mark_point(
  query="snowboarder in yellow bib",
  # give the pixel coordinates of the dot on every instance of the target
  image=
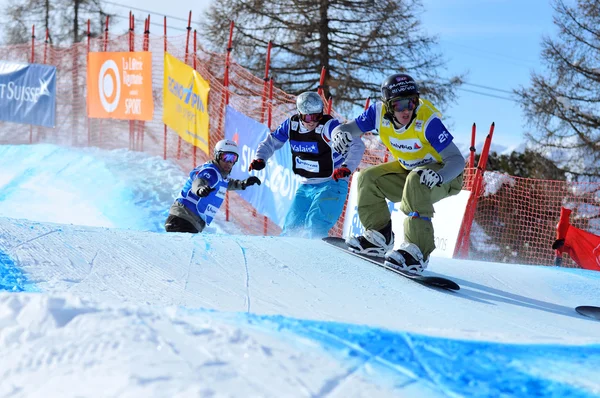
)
(428, 168)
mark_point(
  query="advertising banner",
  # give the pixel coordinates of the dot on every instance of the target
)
(185, 102)
(279, 184)
(119, 85)
(448, 217)
(28, 93)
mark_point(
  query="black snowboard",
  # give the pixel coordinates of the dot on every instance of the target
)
(431, 281)
(589, 310)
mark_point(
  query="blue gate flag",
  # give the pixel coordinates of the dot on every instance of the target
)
(28, 93)
(279, 183)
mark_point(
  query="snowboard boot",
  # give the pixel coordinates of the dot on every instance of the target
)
(407, 258)
(372, 242)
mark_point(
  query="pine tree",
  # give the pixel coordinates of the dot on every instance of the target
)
(358, 42)
(65, 20)
(563, 104)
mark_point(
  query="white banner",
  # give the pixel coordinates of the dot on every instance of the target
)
(449, 214)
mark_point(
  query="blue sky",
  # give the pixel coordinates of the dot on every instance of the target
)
(496, 42)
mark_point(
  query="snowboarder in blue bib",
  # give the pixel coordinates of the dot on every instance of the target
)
(323, 172)
(204, 191)
(428, 168)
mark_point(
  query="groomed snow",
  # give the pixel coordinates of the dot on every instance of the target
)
(100, 302)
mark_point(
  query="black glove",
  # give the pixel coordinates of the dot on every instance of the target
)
(341, 172)
(250, 181)
(204, 191)
(558, 244)
(257, 164)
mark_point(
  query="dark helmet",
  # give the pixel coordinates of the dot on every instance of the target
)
(399, 85)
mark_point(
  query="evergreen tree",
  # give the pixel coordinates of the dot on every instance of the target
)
(563, 104)
(527, 164)
(358, 42)
(65, 20)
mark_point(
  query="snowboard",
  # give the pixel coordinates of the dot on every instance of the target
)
(589, 311)
(430, 281)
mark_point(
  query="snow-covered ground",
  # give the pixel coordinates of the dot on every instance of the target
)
(98, 301)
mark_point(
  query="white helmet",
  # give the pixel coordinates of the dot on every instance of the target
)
(309, 102)
(225, 146)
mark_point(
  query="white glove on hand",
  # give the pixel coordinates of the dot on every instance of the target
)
(430, 178)
(340, 142)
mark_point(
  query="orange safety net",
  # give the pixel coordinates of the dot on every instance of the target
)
(514, 220)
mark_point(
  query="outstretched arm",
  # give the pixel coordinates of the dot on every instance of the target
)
(343, 136)
(356, 148)
(274, 141)
(454, 162)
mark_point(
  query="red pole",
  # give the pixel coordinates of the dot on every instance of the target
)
(145, 46)
(195, 148)
(32, 44)
(472, 148)
(329, 104)
(130, 29)
(46, 45)
(461, 250)
(225, 102)
(164, 125)
(264, 98)
(187, 44)
(227, 63)
(367, 102)
(131, 47)
(32, 61)
(225, 96)
(270, 104)
(106, 35)
(269, 119)
(89, 34)
(266, 84)
(321, 81)
(104, 48)
(187, 39)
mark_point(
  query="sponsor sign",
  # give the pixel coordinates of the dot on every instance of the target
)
(279, 184)
(119, 85)
(185, 99)
(28, 93)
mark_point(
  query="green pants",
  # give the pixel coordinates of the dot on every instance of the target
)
(393, 182)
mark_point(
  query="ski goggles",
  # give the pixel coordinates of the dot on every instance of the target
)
(228, 157)
(403, 104)
(311, 117)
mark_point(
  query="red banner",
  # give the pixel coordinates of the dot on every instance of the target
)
(583, 247)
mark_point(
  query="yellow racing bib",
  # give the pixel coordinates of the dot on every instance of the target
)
(409, 145)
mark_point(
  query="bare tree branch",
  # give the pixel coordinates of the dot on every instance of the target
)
(359, 43)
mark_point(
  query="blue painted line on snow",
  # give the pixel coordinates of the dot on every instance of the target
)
(466, 368)
(11, 277)
(450, 367)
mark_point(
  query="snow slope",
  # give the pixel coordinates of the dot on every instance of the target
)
(103, 303)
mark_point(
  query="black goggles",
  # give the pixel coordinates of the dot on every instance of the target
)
(402, 104)
(311, 117)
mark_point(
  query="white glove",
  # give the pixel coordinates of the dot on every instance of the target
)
(430, 178)
(340, 142)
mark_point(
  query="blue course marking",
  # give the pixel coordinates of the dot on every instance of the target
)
(462, 367)
(11, 277)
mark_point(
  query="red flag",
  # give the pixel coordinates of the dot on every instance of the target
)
(583, 247)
